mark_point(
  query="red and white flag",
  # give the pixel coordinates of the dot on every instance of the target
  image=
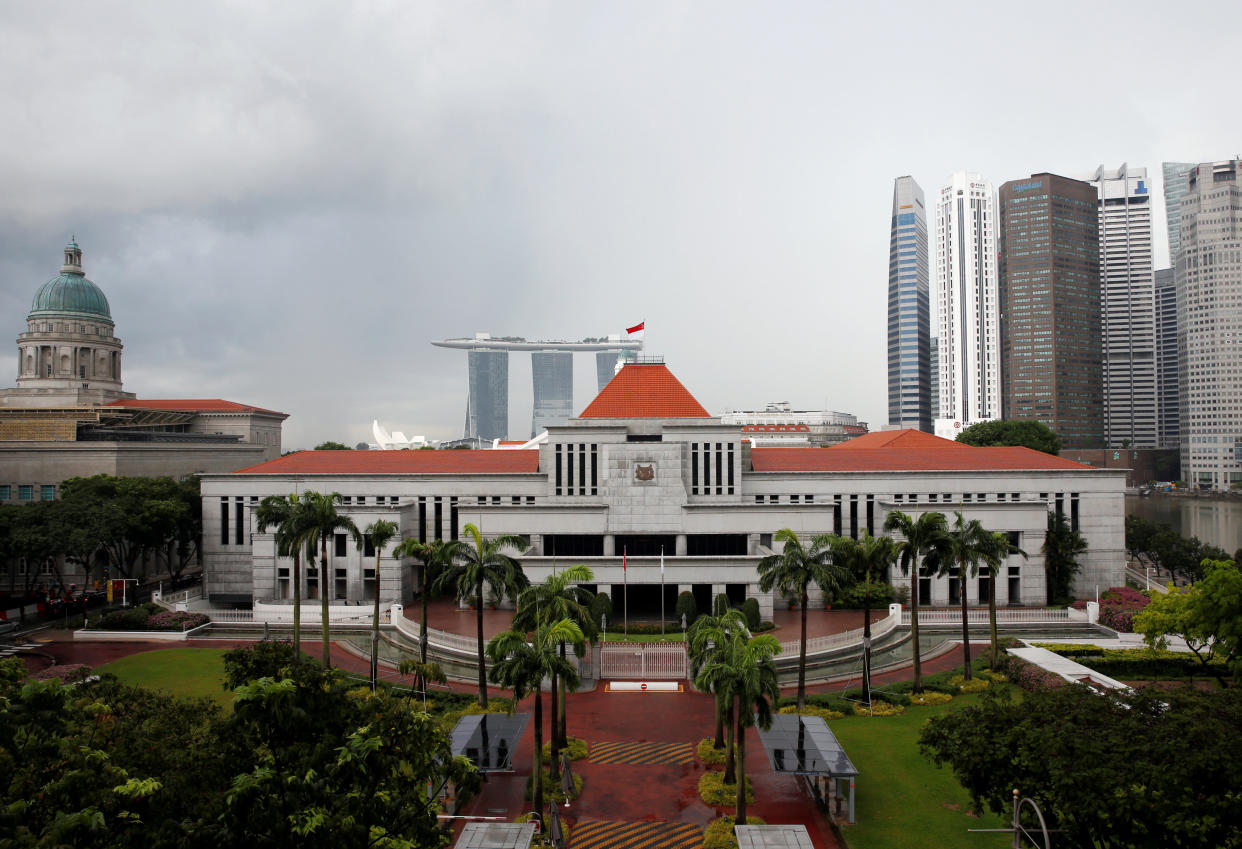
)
(637, 330)
(623, 559)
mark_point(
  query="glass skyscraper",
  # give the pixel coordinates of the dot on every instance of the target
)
(487, 408)
(909, 314)
(553, 375)
(1175, 174)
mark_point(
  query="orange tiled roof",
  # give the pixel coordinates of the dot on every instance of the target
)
(906, 451)
(194, 405)
(447, 462)
(644, 391)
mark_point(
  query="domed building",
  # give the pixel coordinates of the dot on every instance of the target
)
(69, 354)
(69, 415)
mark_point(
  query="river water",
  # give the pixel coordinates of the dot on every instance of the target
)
(1214, 521)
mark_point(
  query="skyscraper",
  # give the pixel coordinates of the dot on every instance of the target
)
(1174, 190)
(934, 359)
(487, 408)
(1050, 306)
(1166, 360)
(909, 318)
(1127, 307)
(553, 375)
(967, 322)
(1209, 326)
(605, 367)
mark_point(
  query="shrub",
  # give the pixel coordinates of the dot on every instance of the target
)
(879, 708)
(763, 626)
(720, 604)
(715, 792)
(855, 596)
(1030, 677)
(1144, 663)
(265, 659)
(176, 620)
(974, 685)
(894, 698)
(930, 697)
(820, 700)
(750, 608)
(576, 746)
(811, 710)
(685, 606)
(719, 833)
(129, 619)
(709, 754)
(552, 789)
(601, 605)
(670, 628)
(1118, 606)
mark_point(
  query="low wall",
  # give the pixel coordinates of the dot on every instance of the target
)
(265, 611)
(96, 634)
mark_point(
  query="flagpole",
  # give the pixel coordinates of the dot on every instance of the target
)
(625, 593)
(661, 592)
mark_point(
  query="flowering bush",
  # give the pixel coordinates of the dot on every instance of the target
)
(975, 685)
(1118, 606)
(811, 710)
(930, 698)
(176, 620)
(879, 709)
(1031, 678)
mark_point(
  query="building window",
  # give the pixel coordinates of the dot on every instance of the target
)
(368, 546)
(224, 521)
(25, 492)
(47, 492)
(239, 527)
(339, 541)
(6, 492)
(809, 499)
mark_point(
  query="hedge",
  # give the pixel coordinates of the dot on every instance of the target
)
(1139, 663)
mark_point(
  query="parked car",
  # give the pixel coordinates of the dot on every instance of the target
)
(7, 626)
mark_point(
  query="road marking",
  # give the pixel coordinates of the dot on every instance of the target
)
(635, 835)
(642, 753)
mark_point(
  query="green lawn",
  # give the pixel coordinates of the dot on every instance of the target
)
(182, 672)
(902, 799)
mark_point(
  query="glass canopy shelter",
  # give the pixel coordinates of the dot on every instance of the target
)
(804, 745)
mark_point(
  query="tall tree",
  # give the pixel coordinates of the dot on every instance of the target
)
(866, 558)
(995, 554)
(380, 533)
(288, 515)
(1061, 549)
(432, 556)
(967, 542)
(708, 640)
(1024, 432)
(793, 570)
(476, 561)
(758, 691)
(1206, 614)
(325, 522)
(561, 596)
(920, 549)
(522, 662)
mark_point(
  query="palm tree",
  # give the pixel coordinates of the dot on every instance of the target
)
(475, 562)
(287, 514)
(921, 547)
(559, 597)
(380, 532)
(431, 557)
(707, 637)
(966, 543)
(1061, 549)
(995, 555)
(864, 558)
(325, 521)
(424, 673)
(741, 669)
(795, 569)
(522, 665)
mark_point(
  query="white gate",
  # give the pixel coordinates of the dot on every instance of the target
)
(642, 661)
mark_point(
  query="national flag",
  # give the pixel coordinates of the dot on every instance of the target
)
(638, 328)
(623, 559)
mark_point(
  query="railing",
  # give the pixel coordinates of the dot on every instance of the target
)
(845, 638)
(181, 597)
(441, 639)
(231, 615)
(1004, 616)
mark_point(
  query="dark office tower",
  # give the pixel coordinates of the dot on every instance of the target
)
(487, 409)
(1166, 359)
(1049, 257)
(606, 367)
(909, 315)
(553, 375)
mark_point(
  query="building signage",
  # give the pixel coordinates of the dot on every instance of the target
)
(1027, 186)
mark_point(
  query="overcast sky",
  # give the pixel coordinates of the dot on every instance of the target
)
(285, 203)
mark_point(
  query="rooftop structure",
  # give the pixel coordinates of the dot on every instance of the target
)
(779, 422)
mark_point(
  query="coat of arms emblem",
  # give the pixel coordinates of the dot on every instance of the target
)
(644, 473)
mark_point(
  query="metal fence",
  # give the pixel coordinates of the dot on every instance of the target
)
(441, 639)
(643, 661)
(1004, 616)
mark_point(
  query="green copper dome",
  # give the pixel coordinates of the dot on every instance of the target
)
(71, 293)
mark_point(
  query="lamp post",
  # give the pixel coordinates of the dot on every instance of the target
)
(603, 627)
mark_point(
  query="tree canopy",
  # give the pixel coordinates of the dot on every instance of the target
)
(1206, 614)
(1143, 768)
(331, 445)
(1157, 544)
(1025, 432)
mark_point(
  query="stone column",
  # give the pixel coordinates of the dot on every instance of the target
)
(681, 545)
(610, 545)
